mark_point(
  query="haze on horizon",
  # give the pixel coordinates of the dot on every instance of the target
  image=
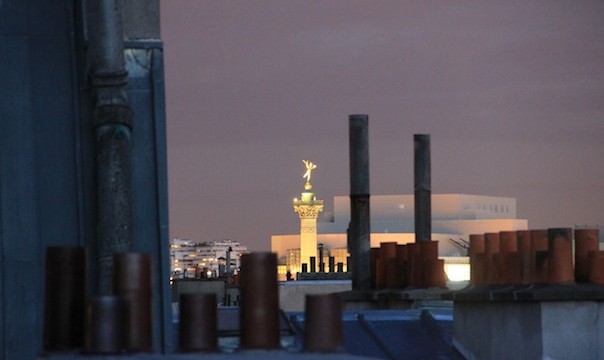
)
(512, 94)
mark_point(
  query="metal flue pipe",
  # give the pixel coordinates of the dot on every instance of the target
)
(323, 330)
(422, 181)
(259, 309)
(133, 281)
(107, 325)
(359, 227)
(112, 123)
(198, 329)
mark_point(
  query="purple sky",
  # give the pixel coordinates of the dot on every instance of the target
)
(511, 92)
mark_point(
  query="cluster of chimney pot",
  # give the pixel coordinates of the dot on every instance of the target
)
(536, 257)
(122, 322)
(108, 323)
(416, 265)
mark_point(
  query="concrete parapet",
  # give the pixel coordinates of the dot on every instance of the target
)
(292, 294)
(529, 322)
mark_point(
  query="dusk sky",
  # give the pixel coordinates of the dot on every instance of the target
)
(511, 93)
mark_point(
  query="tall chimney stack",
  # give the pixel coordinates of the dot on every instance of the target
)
(358, 230)
(423, 212)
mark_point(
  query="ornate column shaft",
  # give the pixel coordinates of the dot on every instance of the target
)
(308, 209)
(308, 212)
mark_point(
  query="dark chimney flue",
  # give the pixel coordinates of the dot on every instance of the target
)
(423, 190)
(359, 228)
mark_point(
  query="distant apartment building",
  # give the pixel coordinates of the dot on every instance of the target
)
(183, 258)
(190, 259)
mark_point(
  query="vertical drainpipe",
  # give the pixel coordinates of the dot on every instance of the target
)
(423, 212)
(358, 231)
(112, 124)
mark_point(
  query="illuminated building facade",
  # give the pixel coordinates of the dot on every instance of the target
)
(191, 259)
(183, 257)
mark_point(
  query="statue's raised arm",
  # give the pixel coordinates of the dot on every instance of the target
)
(309, 168)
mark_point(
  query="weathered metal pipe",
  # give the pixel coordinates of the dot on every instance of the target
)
(112, 123)
(198, 331)
(133, 282)
(359, 228)
(106, 36)
(423, 188)
(65, 302)
(108, 325)
(259, 310)
(323, 323)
